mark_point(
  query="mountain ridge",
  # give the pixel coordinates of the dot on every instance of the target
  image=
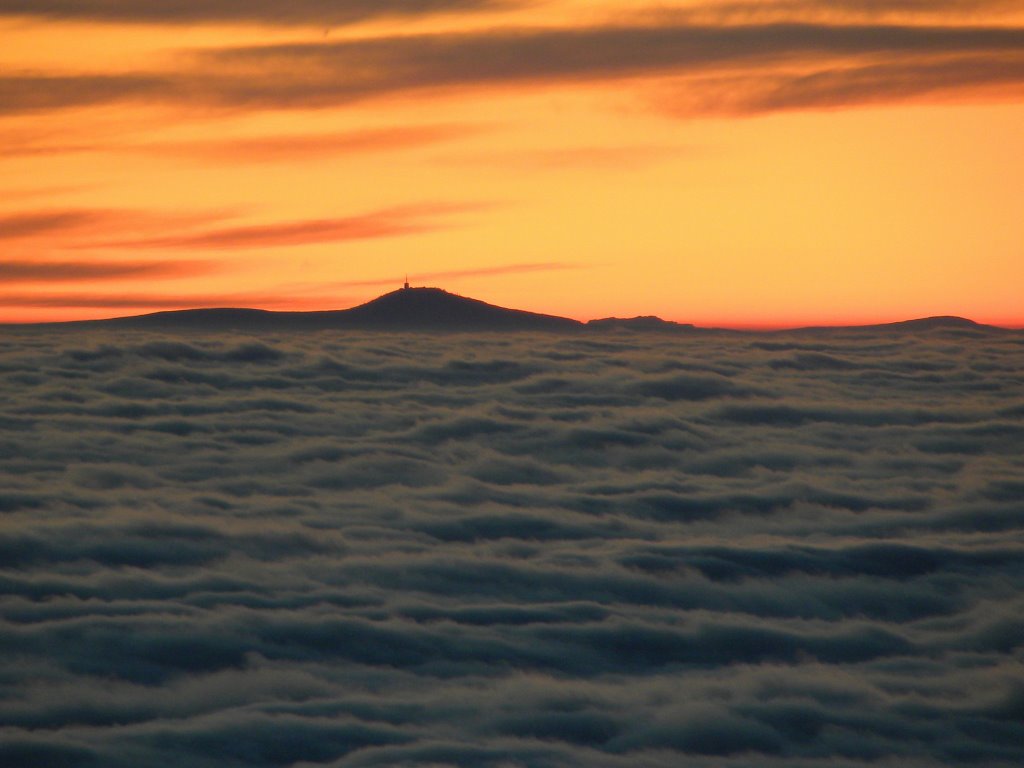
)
(933, 323)
(402, 309)
(435, 309)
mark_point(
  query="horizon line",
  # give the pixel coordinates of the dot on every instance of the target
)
(766, 326)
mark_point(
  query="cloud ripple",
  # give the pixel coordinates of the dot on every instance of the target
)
(348, 549)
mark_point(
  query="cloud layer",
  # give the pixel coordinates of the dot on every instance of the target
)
(392, 222)
(609, 549)
(319, 12)
(744, 67)
(64, 271)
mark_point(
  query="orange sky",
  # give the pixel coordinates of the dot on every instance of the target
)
(732, 163)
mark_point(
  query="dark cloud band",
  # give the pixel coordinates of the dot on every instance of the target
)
(314, 12)
(63, 271)
(834, 64)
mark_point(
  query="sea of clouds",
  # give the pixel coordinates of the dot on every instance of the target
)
(596, 549)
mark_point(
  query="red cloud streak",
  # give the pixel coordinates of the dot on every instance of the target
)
(390, 222)
(68, 271)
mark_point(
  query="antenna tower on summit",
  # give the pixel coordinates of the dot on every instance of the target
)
(406, 284)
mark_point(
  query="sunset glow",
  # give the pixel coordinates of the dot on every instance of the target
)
(722, 163)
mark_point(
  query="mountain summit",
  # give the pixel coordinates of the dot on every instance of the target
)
(436, 308)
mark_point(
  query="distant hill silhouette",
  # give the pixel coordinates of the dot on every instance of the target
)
(434, 309)
(404, 309)
(930, 323)
(937, 323)
(645, 323)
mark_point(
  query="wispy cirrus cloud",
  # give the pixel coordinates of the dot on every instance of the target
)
(326, 13)
(388, 65)
(161, 301)
(304, 76)
(318, 12)
(969, 77)
(746, 11)
(288, 148)
(280, 148)
(19, 225)
(388, 222)
(66, 271)
(85, 228)
(63, 223)
(40, 92)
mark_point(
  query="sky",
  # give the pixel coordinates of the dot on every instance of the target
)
(722, 162)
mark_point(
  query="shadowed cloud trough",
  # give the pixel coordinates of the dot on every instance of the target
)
(609, 549)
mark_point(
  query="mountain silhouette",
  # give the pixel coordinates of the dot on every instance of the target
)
(645, 323)
(933, 323)
(937, 323)
(404, 309)
(434, 309)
